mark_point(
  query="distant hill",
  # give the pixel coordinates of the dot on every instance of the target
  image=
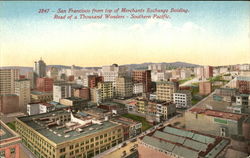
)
(24, 69)
(168, 65)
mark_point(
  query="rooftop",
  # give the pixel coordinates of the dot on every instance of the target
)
(184, 143)
(47, 125)
(221, 114)
(40, 93)
(7, 135)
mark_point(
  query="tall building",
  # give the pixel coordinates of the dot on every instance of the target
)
(62, 90)
(143, 76)
(9, 103)
(40, 68)
(157, 67)
(208, 71)
(124, 87)
(22, 89)
(106, 91)
(165, 90)
(44, 84)
(93, 80)
(53, 73)
(205, 88)
(61, 134)
(111, 72)
(7, 80)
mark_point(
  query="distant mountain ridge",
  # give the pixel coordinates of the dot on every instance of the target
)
(25, 69)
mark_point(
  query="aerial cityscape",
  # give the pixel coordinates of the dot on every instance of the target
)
(171, 82)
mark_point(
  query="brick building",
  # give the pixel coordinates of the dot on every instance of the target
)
(143, 76)
(44, 84)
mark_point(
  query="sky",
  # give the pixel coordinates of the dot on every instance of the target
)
(211, 33)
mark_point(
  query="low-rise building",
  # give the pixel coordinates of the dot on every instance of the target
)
(82, 93)
(9, 142)
(131, 128)
(170, 142)
(166, 109)
(214, 122)
(60, 134)
(225, 94)
(37, 97)
(182, 98)
(39, 108)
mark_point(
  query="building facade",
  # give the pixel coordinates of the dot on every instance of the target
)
(124, 87)
(165, 90)
(142, 76)
(40, 68)
(22, 90)
(205, 88)
(182, 98)
(62, 90)
(44, 84)
(7, 80)
(106, 91)
(9, 103)
(66, 135)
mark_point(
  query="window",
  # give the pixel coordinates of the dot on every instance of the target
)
(62, 150)
(77, 145)
(96, 138)
(12, 151)
(92, 139)
(71, 153)
(63, 156)
(71, 147)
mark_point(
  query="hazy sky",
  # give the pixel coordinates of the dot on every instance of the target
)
(212, 33)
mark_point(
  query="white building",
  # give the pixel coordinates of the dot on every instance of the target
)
(34, 109)
(157, 67)
(185, 73)
(62, 90)
(111, 72)
(160, 76)
(138, 88)
(165, 109)
(182, 99)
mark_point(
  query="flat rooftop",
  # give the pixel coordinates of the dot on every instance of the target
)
(184, 143)
(5, 133)
(221, 114)
(57, 133)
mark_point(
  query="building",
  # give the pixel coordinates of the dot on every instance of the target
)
(53, 73)
(131, 128)
(204, 72)
(9, 142)
(93, 80)
(185, 73)
(39, 108)
(7, 80)
(160, 76)
(208, 71)
(225, 94)
(166, 109)
(138, 88)
(214, 122)
(95, 95)
(22, 90)
(157, 67)
(40, 68)
(170, 142)
(32, 77)
(176, 73)
(9, 103)
(124, 87)
(60, 134)
(37, 96)
(106, 91)
(78, 103)
(83, 93)
(62, 90)
(165, 90)
(182, 98)
(205, 88)
(44, 84)
(142, 76)
(243, 84)
(111, 72)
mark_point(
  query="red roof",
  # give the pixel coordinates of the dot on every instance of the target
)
(215, 113)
